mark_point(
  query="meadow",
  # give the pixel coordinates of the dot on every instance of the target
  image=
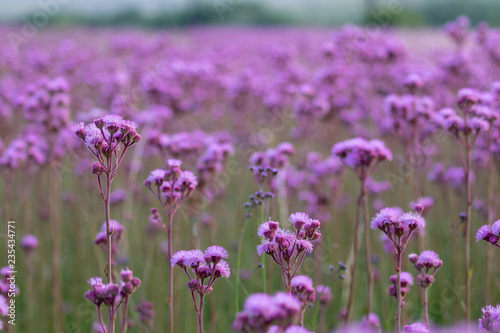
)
(119, 148)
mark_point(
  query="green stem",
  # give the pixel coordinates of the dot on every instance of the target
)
(264, 278)
(238, 266)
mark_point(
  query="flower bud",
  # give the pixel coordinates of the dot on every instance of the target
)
(136, 282)
(203, 272)
(419, 208)
(97, 168)
(128, 288)
(113, 289)
(315, 224)
(91, 296)
(99, 123)
(193, 284)
(413, 258)
(126, 275)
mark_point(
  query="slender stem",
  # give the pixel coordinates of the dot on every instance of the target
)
(355, 262)
(264, 278)
(467, 230)
(55, 230)
(125, 309)
(398, 291)
(367, 249)
(111, 323)
(238, 266)
(200, 314)
(100, 319)
(109, 234)
(170, 274)
(426, 309)
(491, 217)
(301, 321)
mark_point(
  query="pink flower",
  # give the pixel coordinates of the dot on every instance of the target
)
(222, 269)
(416, 328)
(214, 254)
(179, 258)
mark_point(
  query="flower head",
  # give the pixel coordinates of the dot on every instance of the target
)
(179, 258)
(413, 220)
(214, 254)
(416, 328)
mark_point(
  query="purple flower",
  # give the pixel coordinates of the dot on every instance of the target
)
(490, 321)
(214, 254)
(302, 282)
(371, 323)
(406, 279)
(298, 220)
(29, 243)
(156, 177)
(304, 245)
(261, 306)
(179, 258)
(495, 228)
(188, 180)
(194, 258)
(413, 220)
(222, 269)
(289, 304)
(268, 229)
(268, 247)
(429, 259)
(416, 328)
(386, 217)
(325, 293)
(3, 306)
(126, 275)
(483, 233)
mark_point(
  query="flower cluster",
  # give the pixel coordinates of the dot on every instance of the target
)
(147, 314)
(111, 294)
(47, 103)
(108, 138)
(7, 289)
(427, 264)
(362, 155)
(260, 311)
(255, 200)
(288, 249)
(490, 322)
(265, 165)
(398, 226)
(406, 282)
(206, 267)
(476, 118)
(171, 186)
(490, 234)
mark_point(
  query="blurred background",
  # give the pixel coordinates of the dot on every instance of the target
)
(160, 13)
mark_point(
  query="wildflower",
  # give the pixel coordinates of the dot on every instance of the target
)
(29, 243)
(261, 311)
(490, 322)
(208, 267)
(416, 328)
(325, 293)
(286, 247)
(214, 254)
